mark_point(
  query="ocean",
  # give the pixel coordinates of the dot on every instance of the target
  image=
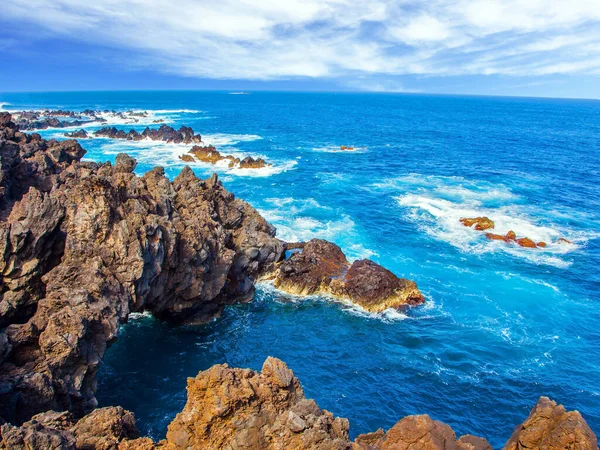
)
(502, 324)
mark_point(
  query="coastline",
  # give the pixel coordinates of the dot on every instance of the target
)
(125, 164)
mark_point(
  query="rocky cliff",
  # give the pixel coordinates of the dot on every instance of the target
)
(84, 244)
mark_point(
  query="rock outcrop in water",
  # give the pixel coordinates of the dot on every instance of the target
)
(84, 244)
(481, 223)
(165, 133)
(322, 267)
(211, 155)
(79, 134)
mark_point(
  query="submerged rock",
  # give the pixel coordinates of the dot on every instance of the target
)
(322, 267)
(481, 223)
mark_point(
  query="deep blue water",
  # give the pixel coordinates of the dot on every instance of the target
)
(502, 325)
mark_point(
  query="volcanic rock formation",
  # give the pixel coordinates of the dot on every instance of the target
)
(322, 267)
(210, 154)
(165, 133)
(84, 244)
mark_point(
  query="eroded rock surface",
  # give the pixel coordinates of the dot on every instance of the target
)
(481, 223)
(419, 433)
(244, 409)
(550, 427)
(84, 244)
(322, 267)
(165, 133)
(210, 154)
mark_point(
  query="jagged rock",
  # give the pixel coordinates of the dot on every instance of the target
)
(481, 223)
(79, 134)
(211, 155)
(550, 427)
(243, 409)
(250, 163)
(563, 241)
(187, 158)
(419, 433)
(322, 267)
(104, 428)
(84, 244)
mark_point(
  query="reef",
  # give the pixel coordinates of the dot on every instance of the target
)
(165, 133)
(84, 244)
(322, 268)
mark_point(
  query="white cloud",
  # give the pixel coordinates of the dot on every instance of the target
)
(274, 39)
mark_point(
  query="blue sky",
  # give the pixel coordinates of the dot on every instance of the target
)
(495, 47)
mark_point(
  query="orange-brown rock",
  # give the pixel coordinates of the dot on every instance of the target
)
(344, 147)
(103, 429)
(481, 223)
(542, 244)
(322, 267)
(243, 409)
(496, 237)
(419, 433)
(563, 241)
(251, 163)
(511, 235)
(550, 427)
(207, 154)
(187, 158)
(526, 242)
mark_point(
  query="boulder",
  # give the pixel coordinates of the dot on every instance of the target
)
(526, 242)
(481, 223)
(419, 433)
(322, 268)
(244, 409)
(550, 427)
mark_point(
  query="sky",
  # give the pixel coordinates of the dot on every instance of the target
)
(547, 48)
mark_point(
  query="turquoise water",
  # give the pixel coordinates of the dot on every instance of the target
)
(502, 325)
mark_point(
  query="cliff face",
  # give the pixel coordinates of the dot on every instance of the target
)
(84, 244)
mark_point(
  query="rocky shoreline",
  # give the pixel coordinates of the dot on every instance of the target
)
(85, 244)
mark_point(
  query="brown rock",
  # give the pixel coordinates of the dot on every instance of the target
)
(541, 244)
(104, 428)
(511, 236)
(550, 427)
(419, 433)
(322, 267)
(251, 163)
(563, 241)
(496, 237)
(526, 242)
(84, 244)
(187, 158)
(481, 223)
(240, 408)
